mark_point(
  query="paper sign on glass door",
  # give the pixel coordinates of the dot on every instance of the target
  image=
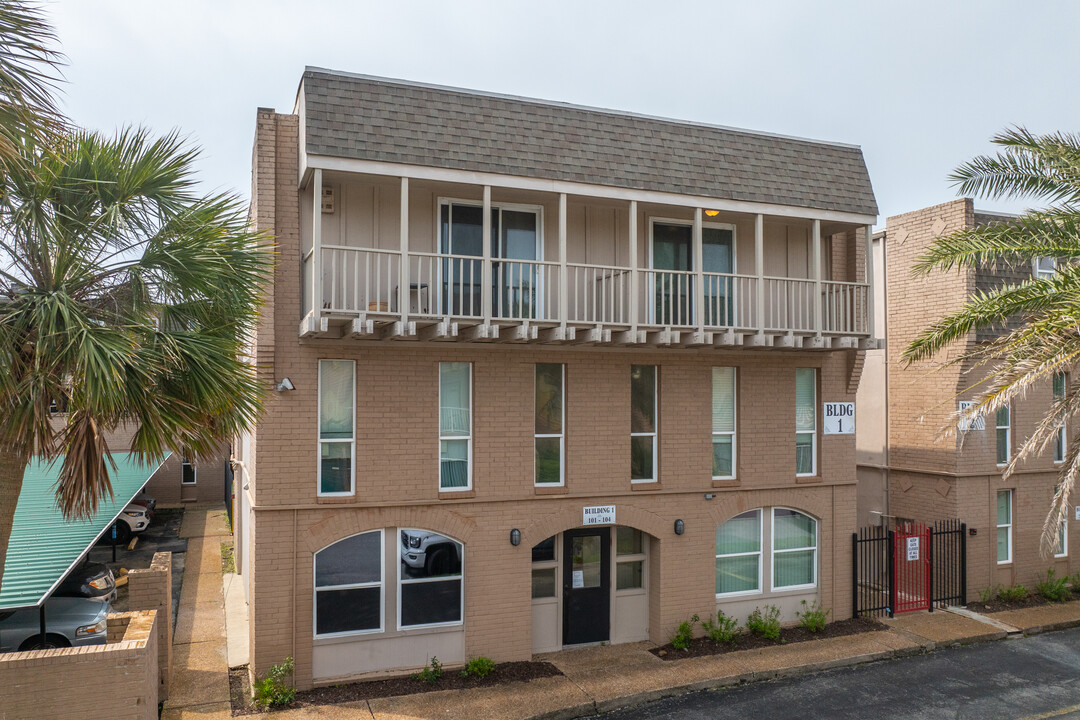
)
(578, 579)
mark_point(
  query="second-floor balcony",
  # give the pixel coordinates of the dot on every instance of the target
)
(682, 289)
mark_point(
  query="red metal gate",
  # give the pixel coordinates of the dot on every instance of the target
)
(913, 587)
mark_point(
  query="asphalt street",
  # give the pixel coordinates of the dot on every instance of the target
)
(1025, 678)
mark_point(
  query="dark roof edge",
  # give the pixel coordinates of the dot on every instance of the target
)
(572, 106)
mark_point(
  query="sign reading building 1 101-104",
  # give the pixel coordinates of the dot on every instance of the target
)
(839, 418)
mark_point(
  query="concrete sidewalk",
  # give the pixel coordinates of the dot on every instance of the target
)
(200, 674)
(603, 678)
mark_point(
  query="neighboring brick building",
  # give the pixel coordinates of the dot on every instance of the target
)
(929, 477)
(643, 344)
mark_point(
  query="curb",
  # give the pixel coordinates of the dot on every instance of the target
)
(1050, 627)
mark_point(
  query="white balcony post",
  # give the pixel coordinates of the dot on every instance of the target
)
(404, 294)
(759, 271)
(316, 245)
(632, 239)
(816, 269)
(699, 280)
(871, 281)
(485, 275)
(563, 310)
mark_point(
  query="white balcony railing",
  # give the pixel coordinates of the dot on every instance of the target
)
(369, 281)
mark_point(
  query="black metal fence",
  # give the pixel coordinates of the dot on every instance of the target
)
(873, 560)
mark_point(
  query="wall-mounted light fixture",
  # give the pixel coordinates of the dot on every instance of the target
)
(285, 384)
(709, 496)
(680, 527)
(515, 537)
(712, 213)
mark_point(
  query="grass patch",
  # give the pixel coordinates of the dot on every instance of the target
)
(228, 558)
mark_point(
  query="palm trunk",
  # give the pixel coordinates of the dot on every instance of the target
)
(12, 470)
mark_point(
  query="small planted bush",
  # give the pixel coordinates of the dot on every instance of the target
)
(1053, 588)
(273, 690)
(684, 634)
(812, 617)
(431, 673)
(766, 624)
(478, 668)
(725, 630)
(1014, 593)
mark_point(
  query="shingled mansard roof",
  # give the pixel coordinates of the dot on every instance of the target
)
(366, 118)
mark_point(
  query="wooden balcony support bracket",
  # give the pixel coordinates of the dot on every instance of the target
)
(695, 338)
(442, 331)
(592, 336)
(846, 343)
(398, 330)
(784, 341)
(555, 335)
(314, 326)
(519, 333)
(871, 344)
(726, 339)
(361, 328)
(628, 337)
(662, 338)
(817, 342)
(484, 332)
(757, 340)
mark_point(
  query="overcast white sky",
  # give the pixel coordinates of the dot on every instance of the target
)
(921, 86)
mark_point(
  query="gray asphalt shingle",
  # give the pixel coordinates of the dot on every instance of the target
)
(391, 121)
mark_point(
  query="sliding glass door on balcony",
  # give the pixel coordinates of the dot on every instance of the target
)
(672, 274)
(516, 274)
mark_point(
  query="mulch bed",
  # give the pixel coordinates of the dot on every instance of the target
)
(999, 605)
(704, 646)
(240, 688)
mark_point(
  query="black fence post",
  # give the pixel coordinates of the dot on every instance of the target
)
(854, 574)
(890, 558)
(963, 564)
(930, 575)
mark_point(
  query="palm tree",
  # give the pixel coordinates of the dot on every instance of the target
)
(1038, 319)
(124, 298)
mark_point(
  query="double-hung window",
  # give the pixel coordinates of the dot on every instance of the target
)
(550, 416)
(1061, 441)
(723, 422)
(430, 587)
(1004, 526)
(1003, 427)
(349, 585)
(187, 471)
(455, 426)
(1062, 547)
(337, 439)
(806, 421)
(738, 555)
(643, 423)
(794, 549)
(1045, 267)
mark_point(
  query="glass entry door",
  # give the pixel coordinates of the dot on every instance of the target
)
(673, 292)
(515, 235)
(586, 585)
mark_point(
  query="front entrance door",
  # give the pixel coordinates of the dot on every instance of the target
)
(586, 585)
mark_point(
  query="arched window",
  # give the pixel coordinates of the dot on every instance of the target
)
(794, 549)
(349, 585)
(738, 554)
(430, 587)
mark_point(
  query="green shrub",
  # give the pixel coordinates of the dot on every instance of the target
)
(1015, 593)
(724, 630)
(989, 594)
(813, 618)
(431, 673)
(684, 635)
(766, 624)
(479, 668)
(1053, 588)
(273, 690)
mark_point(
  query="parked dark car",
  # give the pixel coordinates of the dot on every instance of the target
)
(70, 622)
(89, 580)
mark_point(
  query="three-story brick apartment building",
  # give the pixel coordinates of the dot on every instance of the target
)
(547, 375)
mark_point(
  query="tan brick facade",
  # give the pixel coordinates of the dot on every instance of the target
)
(933, 477)
(397, 458)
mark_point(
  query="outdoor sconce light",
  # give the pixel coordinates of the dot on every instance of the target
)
(515, 537)
(285, 384)
(680, 527)
(712, 213)
(709, 496)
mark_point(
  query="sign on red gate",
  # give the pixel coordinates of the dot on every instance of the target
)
(911, 558)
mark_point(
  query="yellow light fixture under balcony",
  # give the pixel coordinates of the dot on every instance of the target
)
(712, 213)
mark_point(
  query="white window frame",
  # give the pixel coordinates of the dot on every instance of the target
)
(651, 303)
(553, 564)
(1062, 444)
(416, 581)
(1008, 526)
(760, 555)
(562, 424)
(734, 425)
(642, 557)
(812, 433)
(655, 434)
(1008, 435)
(351, 440)
(773, 552)
(351, 586)
(1041, 274)
(469, 438)
(1064, 534)
(186, 462)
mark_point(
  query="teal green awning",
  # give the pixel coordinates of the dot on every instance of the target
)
(44, 546)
